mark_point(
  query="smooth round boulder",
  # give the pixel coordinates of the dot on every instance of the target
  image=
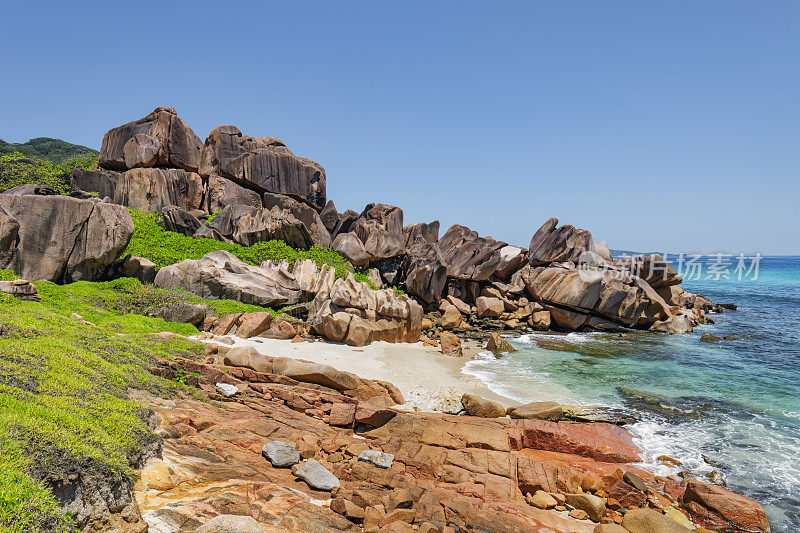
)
(315, 475)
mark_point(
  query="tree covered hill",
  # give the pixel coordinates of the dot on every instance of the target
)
(46, 148)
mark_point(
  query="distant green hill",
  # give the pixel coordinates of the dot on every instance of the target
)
(54, 150)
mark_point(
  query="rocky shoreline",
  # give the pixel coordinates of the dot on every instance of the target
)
(358, 461)
(490, 469)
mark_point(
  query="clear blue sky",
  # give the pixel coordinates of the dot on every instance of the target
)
(664, 125)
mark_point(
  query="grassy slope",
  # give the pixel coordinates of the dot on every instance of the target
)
(164, 248)
(47, 148)
(63, 387)
(42, 172)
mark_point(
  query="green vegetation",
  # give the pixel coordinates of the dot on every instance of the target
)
(152, 241)
(57, 175)
(54, 150)
(64, 383)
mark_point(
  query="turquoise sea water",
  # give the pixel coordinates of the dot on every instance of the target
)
(735, 402)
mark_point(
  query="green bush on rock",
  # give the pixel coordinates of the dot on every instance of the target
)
(152, 241)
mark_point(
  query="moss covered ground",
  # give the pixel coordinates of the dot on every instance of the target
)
(64, 387)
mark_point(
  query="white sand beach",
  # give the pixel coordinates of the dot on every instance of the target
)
(428, 380)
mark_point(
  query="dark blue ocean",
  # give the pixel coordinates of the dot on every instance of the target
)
(731, 406)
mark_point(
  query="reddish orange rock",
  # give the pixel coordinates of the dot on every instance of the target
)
(715, 507)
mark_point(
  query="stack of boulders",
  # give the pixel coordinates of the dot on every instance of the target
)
(258, 190)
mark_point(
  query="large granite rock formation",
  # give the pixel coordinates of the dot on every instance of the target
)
(102, 182)
(152, 189)
(469, 256)
(423, 271)
(420, 232)
(380, 229)
(263, 164)
(552, 244)
(355, 314)
(222, 192)
(304, 213)
(220, 275)
(248, 225)
(161, 139)
(61, 239)
(577, 298)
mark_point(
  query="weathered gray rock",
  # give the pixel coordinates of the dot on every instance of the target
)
(329, 216)
(468, 256)
(315, 475)
(280, 454)
(141, 150)
(422, 271)
(377, 458)
(227, 390)
(345, 224)
(229, 523)
(30, 188)
(222, 192)
(304, 213)
(380, 229)
(180, 220)
(181, 312)
(204, 232)
(512, 258)
(9, 231)
(62, 239)
(177, 145)
(421, 232)
(101, 182)
(350, 246)
(247, 225)
(151, 189)
(318, 373)
(263, 164)
(551, 244)
(140, 268)
(573, 296)
(220, 275)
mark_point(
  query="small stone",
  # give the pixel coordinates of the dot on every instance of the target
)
(280, 454)
(668, 461)
(578, 514)
(634, 481)
(315, 475)
(379, 459)
(716, 478)
(708, 337)
(227, 390)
